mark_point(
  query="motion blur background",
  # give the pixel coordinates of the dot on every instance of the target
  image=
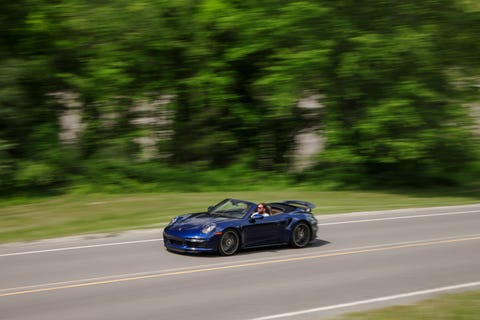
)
(187, 95)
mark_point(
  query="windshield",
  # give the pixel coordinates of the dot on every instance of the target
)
(231, 208)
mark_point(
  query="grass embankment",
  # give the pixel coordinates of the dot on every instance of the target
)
(461, 306)
(22, 220)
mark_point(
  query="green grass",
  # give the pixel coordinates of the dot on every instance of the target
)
(461, 306)
(32, 219)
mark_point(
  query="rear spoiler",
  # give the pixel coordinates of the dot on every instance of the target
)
(297, 203)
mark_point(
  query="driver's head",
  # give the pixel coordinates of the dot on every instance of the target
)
(261, 208)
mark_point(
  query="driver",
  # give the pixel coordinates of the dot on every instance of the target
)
(263, 209)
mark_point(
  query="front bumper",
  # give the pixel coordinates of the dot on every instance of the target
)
(189, 244)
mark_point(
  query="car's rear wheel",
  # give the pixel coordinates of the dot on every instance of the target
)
(229, 243)
(300, 235)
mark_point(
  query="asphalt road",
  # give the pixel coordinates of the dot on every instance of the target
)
(361, 261)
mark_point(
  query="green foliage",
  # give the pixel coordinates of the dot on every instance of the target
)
(35, 175)
(395, 78)
(7, 169)
(394, 116)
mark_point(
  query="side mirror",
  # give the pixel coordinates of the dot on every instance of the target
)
(210, 208)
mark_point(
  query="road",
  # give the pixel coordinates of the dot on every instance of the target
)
(360, 261)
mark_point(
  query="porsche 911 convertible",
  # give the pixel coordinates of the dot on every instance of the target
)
(234, 224)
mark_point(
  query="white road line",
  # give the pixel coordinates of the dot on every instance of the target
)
(398, 218)
(79, 247)
(374, 300)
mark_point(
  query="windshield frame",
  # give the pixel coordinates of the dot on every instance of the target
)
(232, 208)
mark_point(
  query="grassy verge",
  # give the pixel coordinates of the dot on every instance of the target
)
(22, 220)
(461, 306)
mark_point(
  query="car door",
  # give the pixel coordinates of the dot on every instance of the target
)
(265, 231)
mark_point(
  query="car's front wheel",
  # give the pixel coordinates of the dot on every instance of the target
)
(300, 235)
(229, 243)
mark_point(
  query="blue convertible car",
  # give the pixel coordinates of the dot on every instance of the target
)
(234, 224)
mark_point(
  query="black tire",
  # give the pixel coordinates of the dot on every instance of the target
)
(300, 235)
(229, 243)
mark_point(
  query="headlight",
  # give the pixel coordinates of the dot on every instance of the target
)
(209, 228)
(173, 221)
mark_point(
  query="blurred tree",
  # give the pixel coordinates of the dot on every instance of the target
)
(393, 113)
(24, 78)
(393, 76)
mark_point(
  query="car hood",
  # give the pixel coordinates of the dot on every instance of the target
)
(197, 221)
